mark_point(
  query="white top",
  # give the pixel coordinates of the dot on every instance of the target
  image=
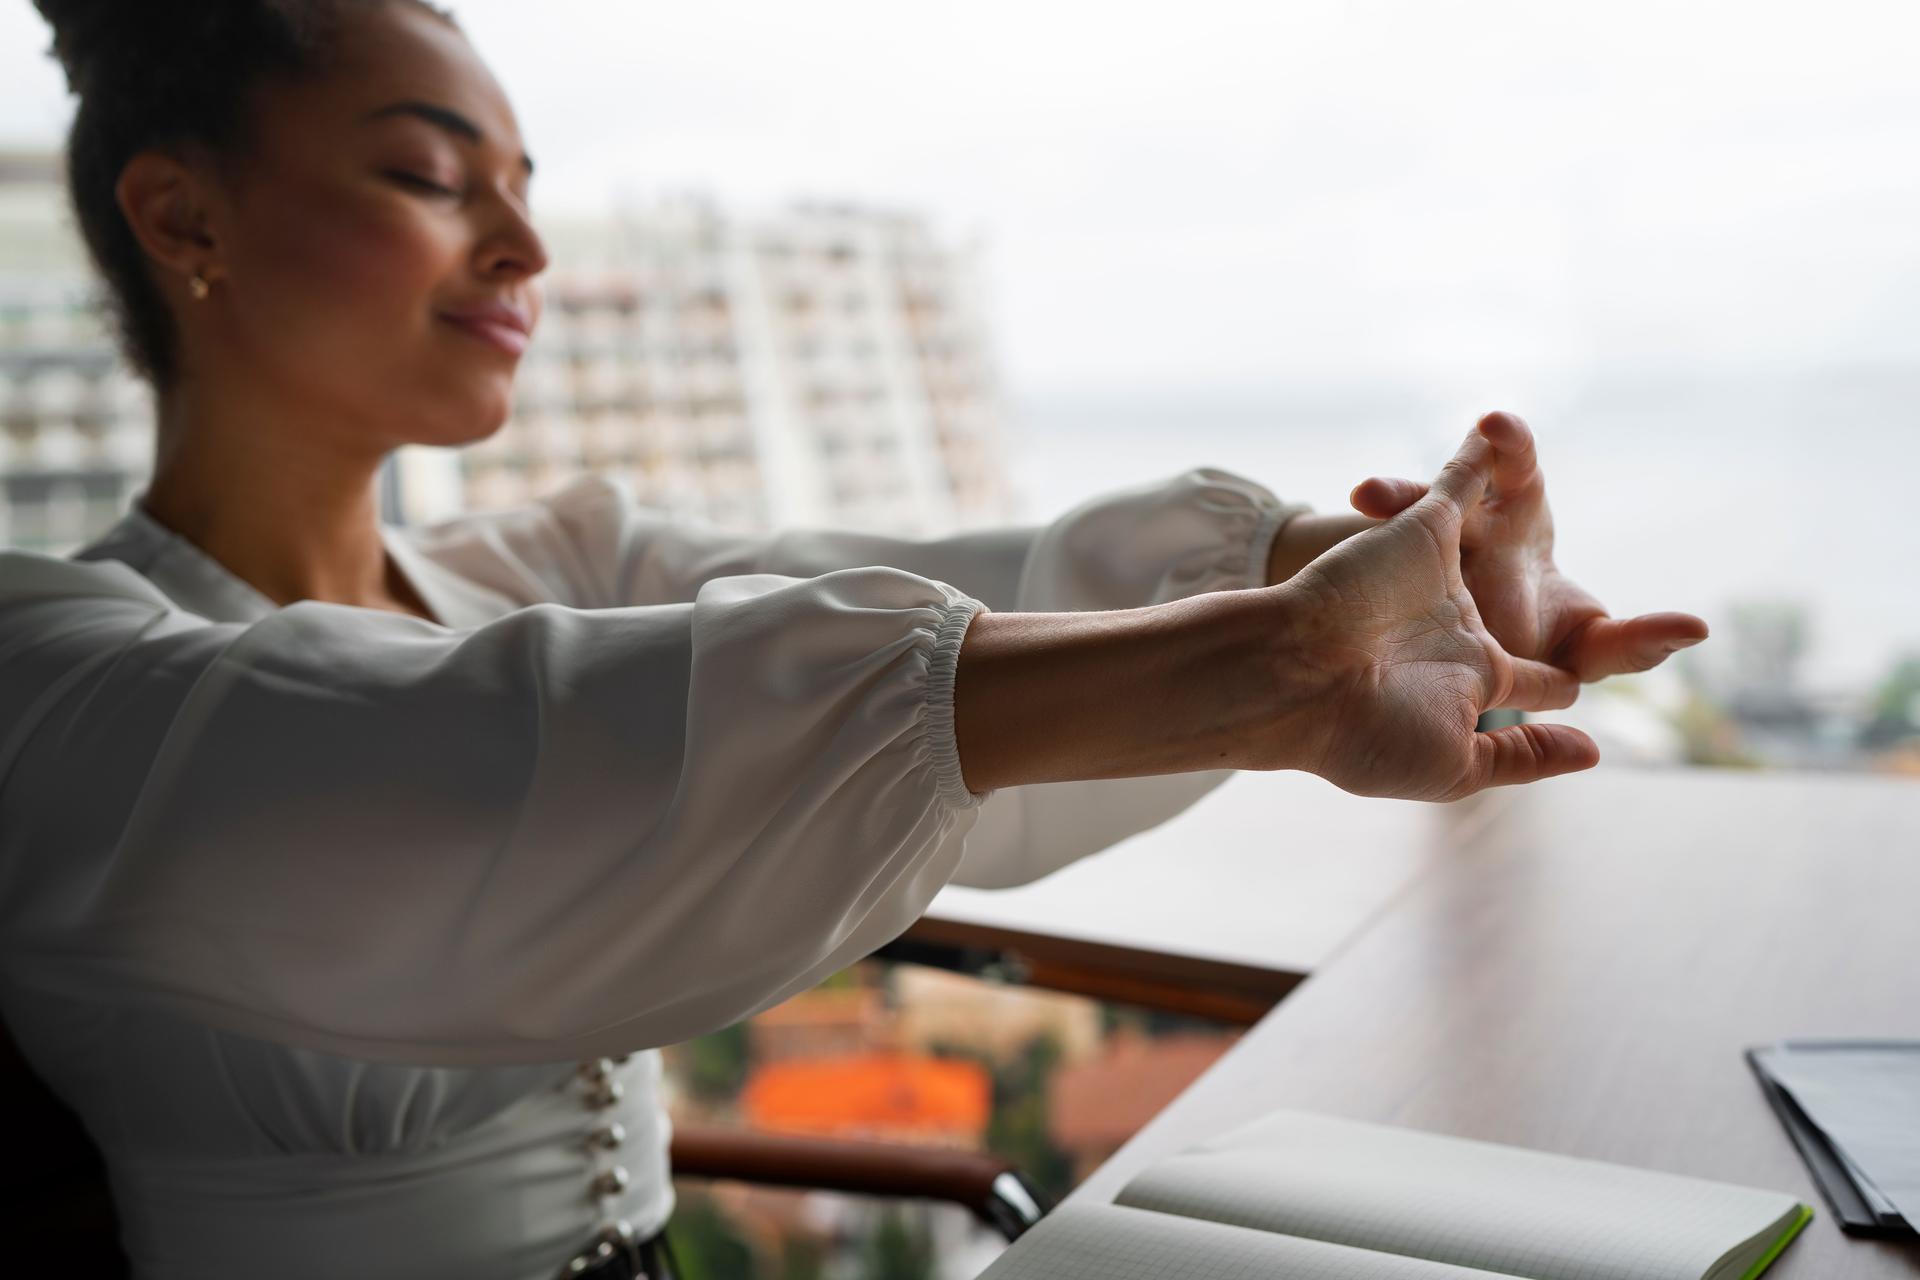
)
(312, 912)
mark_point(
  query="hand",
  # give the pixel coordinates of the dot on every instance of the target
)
(1385, 634)
(1506, 557)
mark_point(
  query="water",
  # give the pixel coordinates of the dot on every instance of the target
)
(1679, 492)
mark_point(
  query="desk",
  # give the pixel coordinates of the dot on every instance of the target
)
(1220, 911)
(1583, 976)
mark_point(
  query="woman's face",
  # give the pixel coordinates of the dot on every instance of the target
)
(377, 260)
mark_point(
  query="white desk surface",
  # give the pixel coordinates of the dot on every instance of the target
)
(1271, 870)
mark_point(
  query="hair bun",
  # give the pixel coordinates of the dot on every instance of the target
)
(82, 29)
(95, 36)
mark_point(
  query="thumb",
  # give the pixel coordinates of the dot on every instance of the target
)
(1383, 497)
(1464, 480)
(1604, 646)
(1526, 753)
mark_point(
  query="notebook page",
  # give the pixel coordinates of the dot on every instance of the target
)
(1501, 1209)
(1103, 1242)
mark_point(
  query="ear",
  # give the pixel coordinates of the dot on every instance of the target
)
(166, 204)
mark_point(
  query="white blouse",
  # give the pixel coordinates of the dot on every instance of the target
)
(312, 912)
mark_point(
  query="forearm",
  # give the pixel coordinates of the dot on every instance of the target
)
(1193, 684)
(1302, 539)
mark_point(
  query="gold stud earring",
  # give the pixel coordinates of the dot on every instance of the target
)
(198, 287)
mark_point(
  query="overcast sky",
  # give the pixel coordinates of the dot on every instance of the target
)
(1250, 194)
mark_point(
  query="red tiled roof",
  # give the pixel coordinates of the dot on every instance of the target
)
(870, 1093)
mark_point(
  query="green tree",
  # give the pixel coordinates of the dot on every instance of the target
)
(706, 1243)
(898, 1248)
(1896, 704)
(716, 1065)
(1017, 1125)
(799, 1259)
(1018, 1128)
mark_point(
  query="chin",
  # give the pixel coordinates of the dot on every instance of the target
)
(464, 417)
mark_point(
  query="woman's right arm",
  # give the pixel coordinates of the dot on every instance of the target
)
(577, 832)
(567, 833)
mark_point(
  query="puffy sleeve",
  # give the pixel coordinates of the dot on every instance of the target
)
(568, 833)
(1202, 530)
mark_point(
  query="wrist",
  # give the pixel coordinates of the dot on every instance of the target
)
(1242, 699)
(1283, 682)
(1174, 688)
(1302, 539)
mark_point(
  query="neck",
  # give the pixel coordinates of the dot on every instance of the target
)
(289, 509)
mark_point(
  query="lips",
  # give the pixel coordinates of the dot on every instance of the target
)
(500, 324)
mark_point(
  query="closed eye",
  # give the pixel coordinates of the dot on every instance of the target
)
(419, 183)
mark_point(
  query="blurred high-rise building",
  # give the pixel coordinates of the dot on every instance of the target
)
(819, 366)
(75, 427)
(823, 366)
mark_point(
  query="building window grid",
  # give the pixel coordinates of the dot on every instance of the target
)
(639, 370)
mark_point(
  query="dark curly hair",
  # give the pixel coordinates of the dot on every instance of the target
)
(163, 74)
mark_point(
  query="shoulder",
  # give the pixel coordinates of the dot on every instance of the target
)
(28, 578)
(563, 547)
(66, 611)
(65, 621)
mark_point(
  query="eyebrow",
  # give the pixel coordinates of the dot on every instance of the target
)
(450, 120)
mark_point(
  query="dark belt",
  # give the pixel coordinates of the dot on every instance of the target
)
(612, 1257)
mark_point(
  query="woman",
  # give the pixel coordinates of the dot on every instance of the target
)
(352, 876)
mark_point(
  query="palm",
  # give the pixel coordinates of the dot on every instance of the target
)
(1506, 556)
(1403, 718)
(1398, 638)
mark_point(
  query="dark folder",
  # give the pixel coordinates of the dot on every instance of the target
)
(1852, 1198)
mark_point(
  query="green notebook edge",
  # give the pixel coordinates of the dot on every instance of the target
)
(1786, 1238)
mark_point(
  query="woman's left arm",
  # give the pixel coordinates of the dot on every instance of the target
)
(1202, 530)
(1302, 539)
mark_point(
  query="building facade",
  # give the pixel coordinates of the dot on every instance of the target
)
(818, 366)
(75, 426)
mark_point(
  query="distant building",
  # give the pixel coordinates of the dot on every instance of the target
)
(937, 1009)
(75, 426)
(824, 366)
(1768, 716)
(821, 366)
(1094, 1106)
(825, 1022)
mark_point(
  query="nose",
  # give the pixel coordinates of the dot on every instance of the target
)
(511, 246)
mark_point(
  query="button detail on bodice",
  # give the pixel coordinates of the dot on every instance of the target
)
(601, 1252)
(605, 1095)
(610, 1183)
(600, 1091)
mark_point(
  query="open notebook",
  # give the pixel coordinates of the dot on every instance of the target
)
(1310, 1197)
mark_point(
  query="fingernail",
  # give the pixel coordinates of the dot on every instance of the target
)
(1675, 646)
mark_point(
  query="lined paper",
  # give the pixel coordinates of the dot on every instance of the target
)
(1106, 1242)
(1498, 1209)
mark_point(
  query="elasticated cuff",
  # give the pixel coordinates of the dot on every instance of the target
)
(942, 665)
(1265, 531)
